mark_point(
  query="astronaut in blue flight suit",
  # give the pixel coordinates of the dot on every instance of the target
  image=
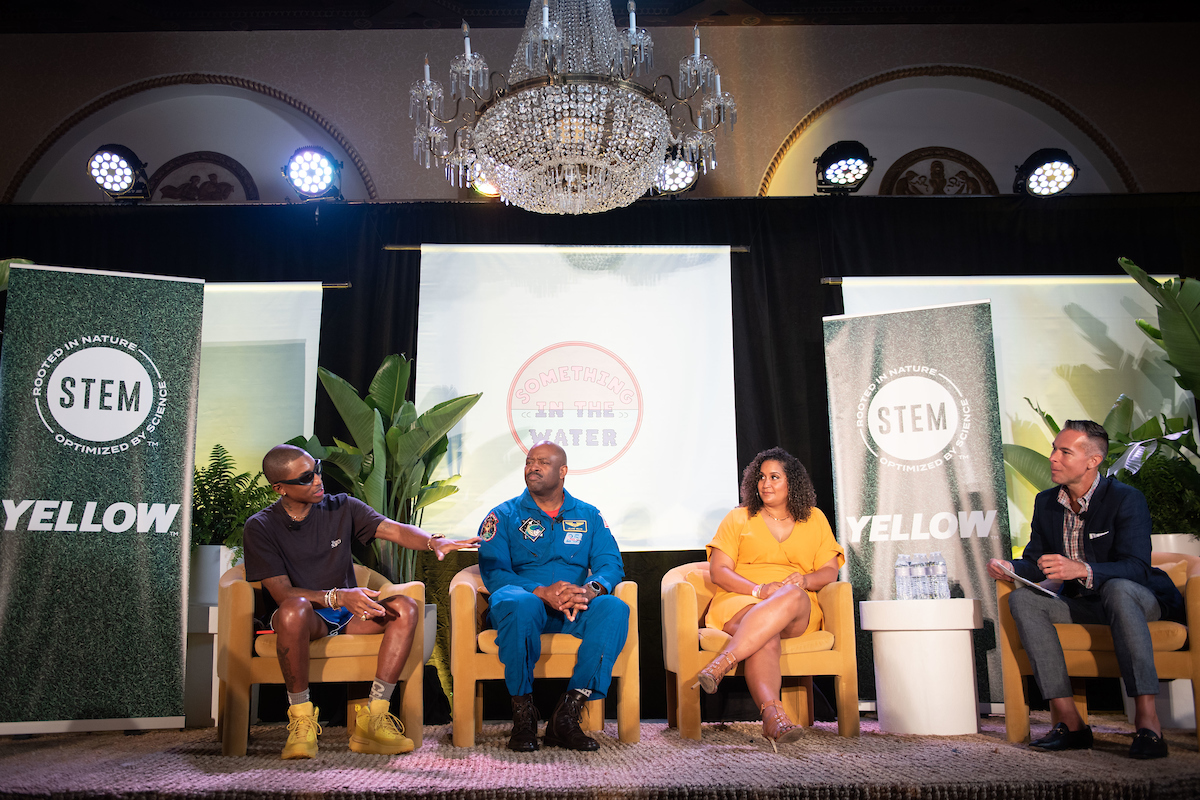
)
(535, 556)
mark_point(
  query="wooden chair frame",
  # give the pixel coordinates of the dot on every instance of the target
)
(244, 659)
(470, 664)
(684, 605)
(1089, 654)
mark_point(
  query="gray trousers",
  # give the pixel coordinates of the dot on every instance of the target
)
(1123, 605)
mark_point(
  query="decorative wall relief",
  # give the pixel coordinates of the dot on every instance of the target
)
(202, 177)
(937, 171)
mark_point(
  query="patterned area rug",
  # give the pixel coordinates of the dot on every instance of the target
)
(730, 762)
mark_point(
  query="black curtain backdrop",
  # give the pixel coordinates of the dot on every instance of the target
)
(790, 245)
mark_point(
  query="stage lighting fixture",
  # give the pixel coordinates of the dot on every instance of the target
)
(843, 168)
(1047, 172)
(314, 174)
(118, 172)
(675, 175)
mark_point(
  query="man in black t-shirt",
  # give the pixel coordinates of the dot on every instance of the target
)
(299, 547)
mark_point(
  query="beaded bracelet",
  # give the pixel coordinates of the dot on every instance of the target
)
(432, 536)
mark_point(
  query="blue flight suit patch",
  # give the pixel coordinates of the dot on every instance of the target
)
(575, 525)
(531, 529)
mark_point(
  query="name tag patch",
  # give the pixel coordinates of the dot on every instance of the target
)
(532, 530)
(575, 525)
(573, 537)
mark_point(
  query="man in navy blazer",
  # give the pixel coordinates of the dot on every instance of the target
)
(1090, 537)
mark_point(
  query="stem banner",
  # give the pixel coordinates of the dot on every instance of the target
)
(98, 385)
(917, 458)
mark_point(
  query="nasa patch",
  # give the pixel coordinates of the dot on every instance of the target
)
(532, 529)
(487, 531)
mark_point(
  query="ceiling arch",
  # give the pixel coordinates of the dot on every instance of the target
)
(1092, 134)
(105, 101)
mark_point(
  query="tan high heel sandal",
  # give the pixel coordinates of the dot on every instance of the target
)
(776, 725)
(710, 676)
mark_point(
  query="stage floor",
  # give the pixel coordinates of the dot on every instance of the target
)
(730, 761)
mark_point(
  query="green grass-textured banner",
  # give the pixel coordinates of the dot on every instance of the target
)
(915, 429)
(98, 385)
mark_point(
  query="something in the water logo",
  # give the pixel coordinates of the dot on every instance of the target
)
(914, 418)
(582, 397)
(100, 395)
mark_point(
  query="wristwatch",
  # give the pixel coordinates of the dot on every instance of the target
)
(596, 587)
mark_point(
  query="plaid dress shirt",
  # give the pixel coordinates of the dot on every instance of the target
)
(1073, 528)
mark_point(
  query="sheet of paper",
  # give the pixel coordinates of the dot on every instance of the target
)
(1048, 587)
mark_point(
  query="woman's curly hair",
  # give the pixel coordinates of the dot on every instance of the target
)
(801, 496)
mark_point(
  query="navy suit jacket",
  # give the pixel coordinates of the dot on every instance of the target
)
(1116, 543)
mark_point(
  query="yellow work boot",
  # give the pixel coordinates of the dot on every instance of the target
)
(377, 731)
(303, 729)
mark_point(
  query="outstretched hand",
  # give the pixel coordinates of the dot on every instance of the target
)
(443, 547)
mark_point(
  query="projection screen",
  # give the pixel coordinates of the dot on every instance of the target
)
(622, 355)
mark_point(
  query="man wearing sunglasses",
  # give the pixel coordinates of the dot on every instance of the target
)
(299, 547)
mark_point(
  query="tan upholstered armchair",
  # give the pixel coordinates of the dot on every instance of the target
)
(687, 648)
(244, 659)
(1088, 649)
(475, 657)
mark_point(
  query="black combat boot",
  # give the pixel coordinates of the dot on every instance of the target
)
(563, 728)
(525, 722)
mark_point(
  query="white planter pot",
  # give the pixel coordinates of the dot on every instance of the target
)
(1175, 543)
(207, 564)
(430, 630)
(1174, 699)
(1173, 702)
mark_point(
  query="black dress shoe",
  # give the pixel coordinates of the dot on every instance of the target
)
(562, 729)
(1147, 744)
(525, 721)
(1061, 737)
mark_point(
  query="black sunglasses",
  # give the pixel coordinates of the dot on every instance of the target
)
(306, 477)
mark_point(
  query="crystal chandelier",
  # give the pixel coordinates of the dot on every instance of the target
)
(569, 130)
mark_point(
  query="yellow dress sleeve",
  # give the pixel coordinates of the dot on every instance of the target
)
(827, 546)
(728, 537)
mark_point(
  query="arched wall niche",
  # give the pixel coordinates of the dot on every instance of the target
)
(997, 119)
(163, 118)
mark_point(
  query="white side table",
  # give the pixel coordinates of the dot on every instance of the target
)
(924, 664)
(200, 685)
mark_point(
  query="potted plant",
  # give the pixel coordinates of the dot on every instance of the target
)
(1160, 456)
(390, 462)
(222, 501)
(1152, 457)
(1178, 334)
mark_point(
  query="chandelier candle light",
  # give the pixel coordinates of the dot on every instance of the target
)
(569, 131)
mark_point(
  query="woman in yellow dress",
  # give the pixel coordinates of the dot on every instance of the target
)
(769, 558)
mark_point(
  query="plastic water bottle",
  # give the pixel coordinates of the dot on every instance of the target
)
(919, 571)
(941, 578)
(903, 579)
